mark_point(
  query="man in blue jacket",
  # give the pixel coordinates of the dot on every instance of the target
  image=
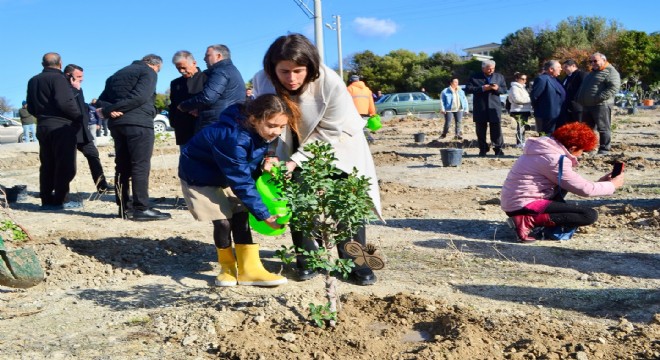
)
(548, 99)
(128, 101)
(487, 86)
(224, 87)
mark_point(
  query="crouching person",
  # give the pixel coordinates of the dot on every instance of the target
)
(218, 168)
(532, 194)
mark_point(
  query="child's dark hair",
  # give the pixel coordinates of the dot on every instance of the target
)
(268, 105)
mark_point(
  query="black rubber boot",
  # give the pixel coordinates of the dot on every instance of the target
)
(299, 241)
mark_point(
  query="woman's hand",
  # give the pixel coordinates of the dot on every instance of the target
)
(272, 222)
(617, 181)
(290, 166)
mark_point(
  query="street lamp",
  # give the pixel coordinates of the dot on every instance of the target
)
(337, 28)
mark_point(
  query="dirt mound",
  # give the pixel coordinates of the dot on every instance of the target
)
(417, 328)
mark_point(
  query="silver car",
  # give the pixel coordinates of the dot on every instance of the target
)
(162, 123)
(11, 131)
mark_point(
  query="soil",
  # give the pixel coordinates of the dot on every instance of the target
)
(456, 284)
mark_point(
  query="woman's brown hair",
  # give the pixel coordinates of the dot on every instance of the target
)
(298, 49)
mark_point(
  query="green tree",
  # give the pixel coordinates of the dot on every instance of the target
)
(162, 102)
(5, 106)
(328, 209)
(636, 54)
(592, 33)
(519, 52)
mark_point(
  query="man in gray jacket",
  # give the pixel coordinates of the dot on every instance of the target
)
(596, 95)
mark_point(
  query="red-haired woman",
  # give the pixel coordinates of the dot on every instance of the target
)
(529, 194)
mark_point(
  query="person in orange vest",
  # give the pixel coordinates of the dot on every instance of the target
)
(363, 99)
(362, 96)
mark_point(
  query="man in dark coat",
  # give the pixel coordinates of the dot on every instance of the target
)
(51, 100)
(84, 136)
(224, 87)
(183, 88)
(128, 101)
(571, 83)
(487, 86)
(548, 99)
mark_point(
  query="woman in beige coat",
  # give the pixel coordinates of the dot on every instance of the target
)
(293, 70)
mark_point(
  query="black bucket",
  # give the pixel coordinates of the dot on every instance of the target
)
(451, 157)
(419, 137)
(15, 193)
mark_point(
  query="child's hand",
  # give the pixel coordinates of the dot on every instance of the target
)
(269, 162)
(272, 222)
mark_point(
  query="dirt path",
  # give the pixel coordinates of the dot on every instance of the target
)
(456, 284)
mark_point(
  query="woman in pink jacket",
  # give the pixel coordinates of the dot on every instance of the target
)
(530, 191)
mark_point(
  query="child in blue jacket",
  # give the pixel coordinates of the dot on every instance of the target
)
(218, 168)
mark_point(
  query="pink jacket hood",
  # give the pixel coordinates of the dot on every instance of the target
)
(534, 176)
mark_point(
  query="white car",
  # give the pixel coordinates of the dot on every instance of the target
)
(11, 131)
(161, 123)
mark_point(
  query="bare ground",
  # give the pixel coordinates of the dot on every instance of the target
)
(456, 284)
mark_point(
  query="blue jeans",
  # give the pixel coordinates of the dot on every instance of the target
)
(458, 117)
(28, 130)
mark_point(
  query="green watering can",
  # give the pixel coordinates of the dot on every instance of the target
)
(19, 268)
(373, 123)
(271, 197)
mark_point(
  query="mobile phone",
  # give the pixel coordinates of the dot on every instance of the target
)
(618, 169)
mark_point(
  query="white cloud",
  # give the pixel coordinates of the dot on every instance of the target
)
(372, 27)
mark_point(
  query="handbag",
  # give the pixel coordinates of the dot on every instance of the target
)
(558, 232)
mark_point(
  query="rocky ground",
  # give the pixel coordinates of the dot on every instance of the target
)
(456, 284)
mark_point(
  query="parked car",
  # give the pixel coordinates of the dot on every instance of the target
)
(162, 123)
(11, 131)
(408, 102)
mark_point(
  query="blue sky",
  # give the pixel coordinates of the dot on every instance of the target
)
(103, 36)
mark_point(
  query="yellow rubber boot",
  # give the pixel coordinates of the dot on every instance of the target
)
(227, 276)
(250, 269)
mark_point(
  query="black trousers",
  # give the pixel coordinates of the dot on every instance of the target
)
(134, 146)
(599, 118)
(91, 153)
(57, 154)
(565, 214)
(495, 135)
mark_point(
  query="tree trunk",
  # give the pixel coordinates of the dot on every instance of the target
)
(331, 290)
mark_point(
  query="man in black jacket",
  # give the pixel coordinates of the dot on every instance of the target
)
(487, 86)
(183, 88)
(85, 138)
(224, 87)
(571, 83)
(51, 100)
(128, 101)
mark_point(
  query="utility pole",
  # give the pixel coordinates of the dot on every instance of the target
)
(318, 27)
(318, 22)
(337, 28)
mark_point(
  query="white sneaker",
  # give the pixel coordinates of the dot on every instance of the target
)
(72, 205)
